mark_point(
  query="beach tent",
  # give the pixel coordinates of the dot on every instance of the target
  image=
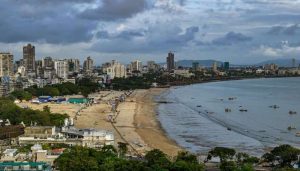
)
(78, 100)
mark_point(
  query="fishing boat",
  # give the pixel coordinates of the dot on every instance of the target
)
(292, 112)
(227, 110)
(297, 134)
(243, 110)
(291, 128)
(274, 106)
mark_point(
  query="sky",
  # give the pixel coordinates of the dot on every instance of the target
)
(239, 31)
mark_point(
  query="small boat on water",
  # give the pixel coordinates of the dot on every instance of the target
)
(199, 106)
(232, 98)
(243, 110)
(297, 134)
(229, 129)
(227, 110)
(274, 106)
(291, 128)
(292, 112)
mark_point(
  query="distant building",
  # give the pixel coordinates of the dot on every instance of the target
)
(183, 73)
(39, 67)
(6, 64)
(29, 58)
(226, 66)
(88, 65)
(271, 67)
(152, 66)
(170, 61)
(61, 68)
(195, 66)
(116, 70)
(74, 65)
(48, 63)
(294, 63)
(22, 71)
(136, 66)
(215, 66)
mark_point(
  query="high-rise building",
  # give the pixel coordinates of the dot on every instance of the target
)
(61, 68)
(74, 65)
(47, 63)
(88, 65)
(195, 66)
(39, 67)
(226, 66)
(6, 64)
(115, 70)
(136, 65)
(152, 66)
(215, 66)
(294, 63)
(29, 58)
(170, 61)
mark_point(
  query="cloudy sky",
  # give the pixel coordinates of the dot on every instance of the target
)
(239, 31)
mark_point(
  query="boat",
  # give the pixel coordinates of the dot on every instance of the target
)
(227, 110)
(243, 110)
(199, 106)
(274, 106)
(229, 129)
(292, 112)
(291, 128)
(297, 134)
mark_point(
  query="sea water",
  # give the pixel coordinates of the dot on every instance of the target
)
(195, 115)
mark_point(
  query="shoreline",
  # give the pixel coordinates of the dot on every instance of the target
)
(148, 127)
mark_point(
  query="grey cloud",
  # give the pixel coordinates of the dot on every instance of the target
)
(289, 30)
(155, 39)
(231, 38)
(115, 9)
(42, 22)
(127, 34)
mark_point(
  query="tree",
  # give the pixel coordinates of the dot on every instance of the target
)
(228, 166)
(157, 159)
(122, 148)
(186, 156)
(284, 155)
(244, 158)
(22, 95)
(222, 152)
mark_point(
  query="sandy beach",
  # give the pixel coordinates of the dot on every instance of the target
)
(136, 122)
(147, 125)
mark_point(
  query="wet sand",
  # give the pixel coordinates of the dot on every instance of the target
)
(147, 125)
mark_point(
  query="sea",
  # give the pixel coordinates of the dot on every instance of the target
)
(257, 118)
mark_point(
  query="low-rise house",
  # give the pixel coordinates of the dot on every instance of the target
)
(183, 73)
(9, 155)
(67, 135)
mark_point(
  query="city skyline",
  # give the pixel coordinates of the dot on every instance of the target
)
(239, 31)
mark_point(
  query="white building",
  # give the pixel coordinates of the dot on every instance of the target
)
(116, 70)
(215, 66)
(183, 73)
(88, 65)
(136, 65)
(22, 71)
(61, 68)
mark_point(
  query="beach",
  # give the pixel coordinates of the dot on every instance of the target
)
(135, 121)
(148, 126)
